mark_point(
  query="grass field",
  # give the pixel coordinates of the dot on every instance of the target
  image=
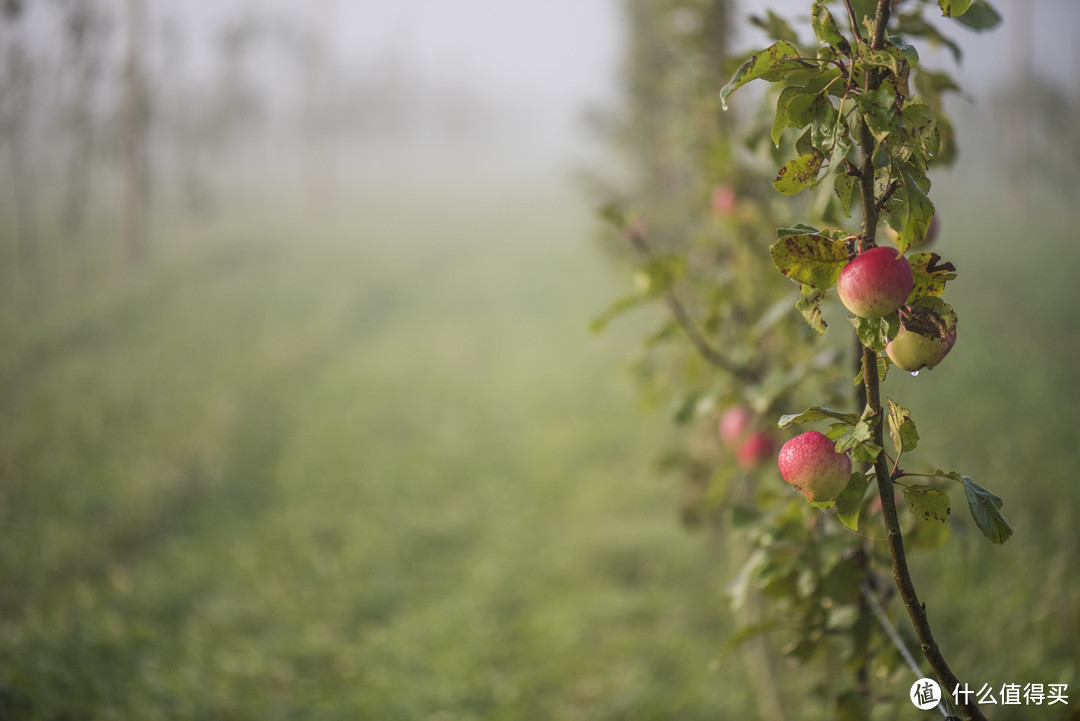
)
(371, 471)
(378, 469)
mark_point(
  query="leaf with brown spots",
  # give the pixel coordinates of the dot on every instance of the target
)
(809, 258)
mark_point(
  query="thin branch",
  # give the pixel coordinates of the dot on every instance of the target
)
(637, 240)
(883, 620)
(893, 187)
(901, 574)
(872, 384)
(854, 21)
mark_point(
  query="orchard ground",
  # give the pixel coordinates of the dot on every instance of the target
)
(379, 469)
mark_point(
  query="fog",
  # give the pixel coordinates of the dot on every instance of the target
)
(240, 91)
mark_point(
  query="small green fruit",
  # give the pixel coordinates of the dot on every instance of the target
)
(927, 333)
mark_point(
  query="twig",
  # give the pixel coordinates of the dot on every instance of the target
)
(636, 239)
(894, 636)
(854, 21)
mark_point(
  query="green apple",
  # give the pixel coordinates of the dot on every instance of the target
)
(927, 334)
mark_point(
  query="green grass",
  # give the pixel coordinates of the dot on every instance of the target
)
(377, 471)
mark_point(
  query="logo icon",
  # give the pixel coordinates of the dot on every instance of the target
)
(925, 693)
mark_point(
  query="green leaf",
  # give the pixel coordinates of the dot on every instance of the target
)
(980, 16)
(783, 120)
(775, 26)
(686, 407)
(659, 274)
(874, 332)
(853, 706)
(985, 507)
(826, 123)
(617, 308)
(882, 369)
(826, 30)
(798, 107)
(905, 436)
(798, 173)
(744, 634)
(816, 414)
(914, 24)
(858, 442)
(797, 229)
(954, 8)
(810, 259)
(930, 275)
(927, 503)
(890, 57)
(844, 187)
(849, 502)
(921, 126)
(912, 219)
(879, 111)
(931, 85)
(771, 64)
(908, 51)
(810, 307)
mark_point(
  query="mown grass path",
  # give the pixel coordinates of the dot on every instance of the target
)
(372, 471)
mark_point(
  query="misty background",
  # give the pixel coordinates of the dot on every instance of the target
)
(299, 414)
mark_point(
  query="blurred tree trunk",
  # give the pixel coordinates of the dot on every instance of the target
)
(680, 145)
(136, 167)
(85, 31)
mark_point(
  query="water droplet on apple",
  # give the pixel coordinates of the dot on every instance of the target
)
(914, 373)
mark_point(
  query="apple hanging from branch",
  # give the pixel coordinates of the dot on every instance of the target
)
(927, 333)
(809, 462)
(875, 282)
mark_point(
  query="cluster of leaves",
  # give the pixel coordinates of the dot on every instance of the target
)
(868, 123)
(851, 98)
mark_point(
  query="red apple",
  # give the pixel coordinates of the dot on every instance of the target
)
(723, 200)
(809, 462)
(734, 422)
(927, 333)
(875, 283)
(755, 450)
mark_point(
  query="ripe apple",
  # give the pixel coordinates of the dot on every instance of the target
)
(927, 333)
(809, 462)
(755, 450)
(876, 282)
(723, 200)
(734, 423)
